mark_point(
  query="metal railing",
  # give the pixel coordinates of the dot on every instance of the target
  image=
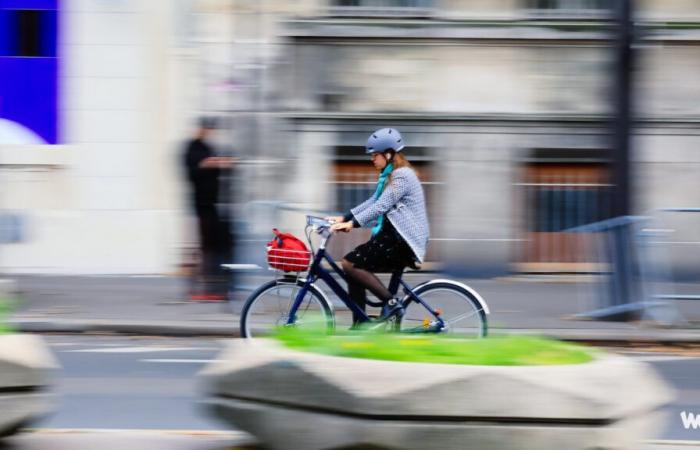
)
(661, 280)
(639, 289)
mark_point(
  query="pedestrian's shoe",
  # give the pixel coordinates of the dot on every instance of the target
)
(204, 297)
(198, 297)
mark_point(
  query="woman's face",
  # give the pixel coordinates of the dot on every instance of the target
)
(379, 161)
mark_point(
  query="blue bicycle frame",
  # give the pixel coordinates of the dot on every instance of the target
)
(316, 271)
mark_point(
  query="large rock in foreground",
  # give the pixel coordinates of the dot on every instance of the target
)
(25, 371)
(295, 400)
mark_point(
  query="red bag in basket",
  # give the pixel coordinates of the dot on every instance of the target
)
(286, 252)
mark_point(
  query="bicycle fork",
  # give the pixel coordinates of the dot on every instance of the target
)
(292, 315)
(437, 324)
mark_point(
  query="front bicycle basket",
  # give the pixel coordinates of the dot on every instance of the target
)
(287, 253)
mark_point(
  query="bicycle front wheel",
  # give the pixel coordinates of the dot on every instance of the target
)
(461, 311)
(268, 308)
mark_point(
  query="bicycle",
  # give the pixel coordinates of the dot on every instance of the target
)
(289, 300)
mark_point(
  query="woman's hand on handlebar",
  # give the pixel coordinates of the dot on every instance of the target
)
(345, 227)
(334, 219)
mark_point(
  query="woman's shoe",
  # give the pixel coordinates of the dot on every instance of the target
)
(393, 306)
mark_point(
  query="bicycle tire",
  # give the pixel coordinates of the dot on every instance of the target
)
(457, 296)
(249, 328)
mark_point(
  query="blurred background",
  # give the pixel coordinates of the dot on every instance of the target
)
(558, 143)
(510, 110)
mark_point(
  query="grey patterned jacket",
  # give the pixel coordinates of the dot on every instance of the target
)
(404, 205)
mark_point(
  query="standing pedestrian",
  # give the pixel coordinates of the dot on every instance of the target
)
(203, 168)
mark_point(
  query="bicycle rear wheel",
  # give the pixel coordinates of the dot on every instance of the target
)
(268, 308)
(462, 312)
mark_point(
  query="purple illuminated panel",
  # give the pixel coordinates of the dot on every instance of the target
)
(29, 4)
(29, 66)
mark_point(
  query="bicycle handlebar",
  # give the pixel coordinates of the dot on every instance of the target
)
(318, 224)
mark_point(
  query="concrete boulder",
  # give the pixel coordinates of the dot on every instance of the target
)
(291, 399)
(25, 373)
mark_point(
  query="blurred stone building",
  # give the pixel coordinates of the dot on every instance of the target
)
(505, 104)
(506, 107)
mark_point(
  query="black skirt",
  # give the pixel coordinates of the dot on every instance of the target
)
(385, 252)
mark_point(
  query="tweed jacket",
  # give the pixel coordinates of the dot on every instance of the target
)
(403, 203)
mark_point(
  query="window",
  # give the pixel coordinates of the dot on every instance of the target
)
(29, 81)
(566, 196)
(28, 32)
(569, 8)
(558, 194)
(384, 3)
(402, 8)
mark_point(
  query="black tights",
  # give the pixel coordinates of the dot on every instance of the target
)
(359, 280)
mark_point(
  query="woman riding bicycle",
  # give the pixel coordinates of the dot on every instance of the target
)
(396, 213)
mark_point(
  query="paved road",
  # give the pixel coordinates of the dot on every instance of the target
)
(683, 373)
(157, 306)
(129, 392)
(145, 391)
(131, 383)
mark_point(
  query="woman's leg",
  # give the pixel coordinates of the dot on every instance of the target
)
(365, 279)
(358, 295)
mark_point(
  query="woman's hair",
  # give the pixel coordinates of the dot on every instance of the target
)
(399, 161)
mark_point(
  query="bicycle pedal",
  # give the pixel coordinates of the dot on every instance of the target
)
(374, 316)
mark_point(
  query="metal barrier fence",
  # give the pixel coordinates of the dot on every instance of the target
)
(619, 294)
(662, 263)
(639, 248)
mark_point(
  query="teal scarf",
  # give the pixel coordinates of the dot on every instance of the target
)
(380, 188)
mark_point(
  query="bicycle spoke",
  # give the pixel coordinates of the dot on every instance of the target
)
(462, 317)
(459, 313)
(270, 308)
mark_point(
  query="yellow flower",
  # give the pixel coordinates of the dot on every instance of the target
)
(352, 345)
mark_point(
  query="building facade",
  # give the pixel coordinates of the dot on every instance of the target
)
(506, 107)
(104, 196)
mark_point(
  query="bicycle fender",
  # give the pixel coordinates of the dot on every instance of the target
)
(471, 291)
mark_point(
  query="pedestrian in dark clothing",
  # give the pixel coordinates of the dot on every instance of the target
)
(203, 169)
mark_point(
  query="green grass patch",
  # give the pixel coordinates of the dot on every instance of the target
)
(435, 348)
(6, 307)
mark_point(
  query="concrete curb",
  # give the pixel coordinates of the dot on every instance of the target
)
(26, 369)
(611, 337)
(673, 444)
(8, 286)
(187, 329)
(163, 328)
(88, 438)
